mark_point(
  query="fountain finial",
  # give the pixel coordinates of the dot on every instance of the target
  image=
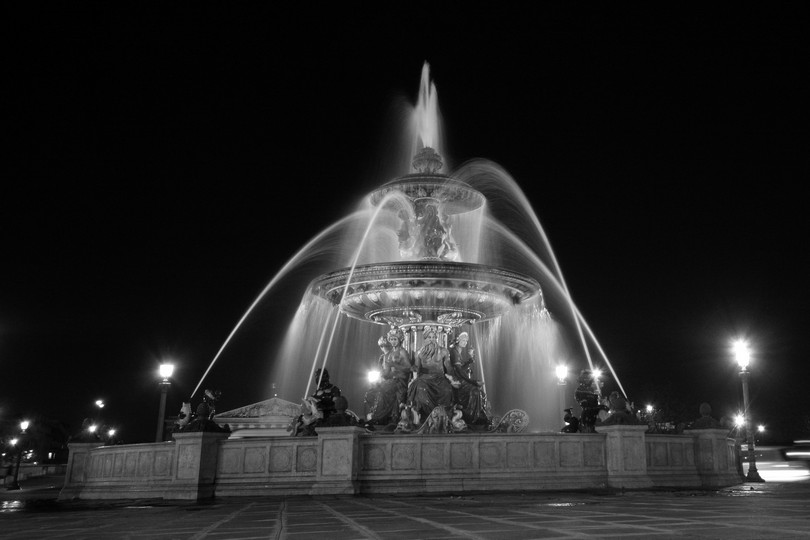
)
(427, 160)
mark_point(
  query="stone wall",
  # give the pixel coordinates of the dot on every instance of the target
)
(347, 460)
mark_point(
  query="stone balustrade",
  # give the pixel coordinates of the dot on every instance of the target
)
(347, 460)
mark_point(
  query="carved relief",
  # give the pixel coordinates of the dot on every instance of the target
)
(433, 456)
(545, 455)
(659, 454)
(162, 467)
(517, 455)
(130, 464)
(593, 454)
(461, 456)
(307, 459)
(571, 454)
(145, 463)
(281, 459)
(403, 456)
(374, 457)
(186, 461)
(491, 455)
(118, 464)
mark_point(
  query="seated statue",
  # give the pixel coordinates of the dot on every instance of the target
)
(341, 416)
(587, 395)
(384, 399)
(430, 388)
(304, 424)
(326, 393)
(620, 411)
(468, 392)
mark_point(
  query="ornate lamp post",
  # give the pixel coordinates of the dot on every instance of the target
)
(165, 372)
(23, 426)
(743, 357)
(562, 380)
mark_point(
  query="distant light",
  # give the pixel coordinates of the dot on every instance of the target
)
(650, 408)
(739, 420)
(741, 353)
(373, 376)
(597, 373)
(111, 433)
(13, 442)
(761, 428)
(92, 428)
(166, 371)
(562, 372)
(24, 425)
(100, 403)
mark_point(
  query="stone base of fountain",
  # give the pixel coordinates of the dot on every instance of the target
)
(347, 460)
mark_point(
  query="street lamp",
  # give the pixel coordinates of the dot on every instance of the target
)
(165, 372)
(743, 357)
(15, 485)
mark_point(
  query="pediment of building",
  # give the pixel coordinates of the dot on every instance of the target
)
(273, 407)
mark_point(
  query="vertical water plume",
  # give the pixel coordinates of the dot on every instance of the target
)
(425, 121)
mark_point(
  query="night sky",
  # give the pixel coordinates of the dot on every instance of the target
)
(163, 162)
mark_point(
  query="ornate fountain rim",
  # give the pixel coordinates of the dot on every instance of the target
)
(418, 292)
(456, 196)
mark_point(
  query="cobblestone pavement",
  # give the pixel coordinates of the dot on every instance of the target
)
(770, 510)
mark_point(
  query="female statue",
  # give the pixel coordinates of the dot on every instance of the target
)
(468, 391)
(430, 388)
(384, 399)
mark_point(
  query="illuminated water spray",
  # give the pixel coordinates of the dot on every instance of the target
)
(431, 249)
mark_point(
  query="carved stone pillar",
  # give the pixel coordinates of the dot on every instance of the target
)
(338, 460)
(716, 457)
(195, 465)
(626, 457)
(76, 467)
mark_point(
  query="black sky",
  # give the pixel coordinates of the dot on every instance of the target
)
(164, 161)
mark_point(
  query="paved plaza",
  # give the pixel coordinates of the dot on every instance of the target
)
(772, 510)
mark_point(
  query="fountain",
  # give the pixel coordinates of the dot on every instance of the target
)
(427, 256)
(425, 250)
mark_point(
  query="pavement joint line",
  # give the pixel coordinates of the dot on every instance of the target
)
(452, 530)
(351, 522)
(203, 533)
(281, 521)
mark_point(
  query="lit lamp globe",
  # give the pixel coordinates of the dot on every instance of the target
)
(165, 371)
(562, 373)
(24, 425)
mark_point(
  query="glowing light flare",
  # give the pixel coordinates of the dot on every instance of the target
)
(739, 420)
(597, 373)
(92, 428)
(111, 433)
(761, 428)
(100, 403)
(166, 371)
(13, 442)
(373, 376)
(741, 353)
(562, 372)
(24, 425)
(650, 408)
